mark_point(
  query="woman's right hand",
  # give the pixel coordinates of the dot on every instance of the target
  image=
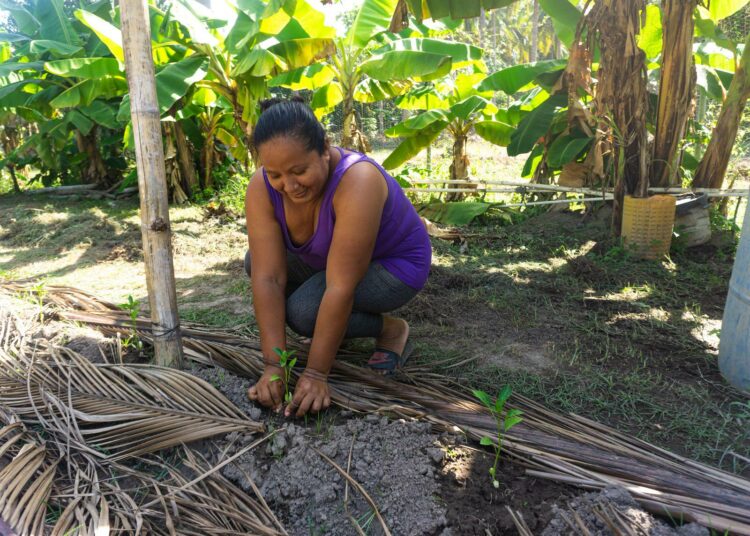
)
(269, 390)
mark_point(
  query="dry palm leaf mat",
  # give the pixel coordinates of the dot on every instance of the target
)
(68, 427)
(562, 447)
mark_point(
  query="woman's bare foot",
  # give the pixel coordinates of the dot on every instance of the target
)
(394, 335)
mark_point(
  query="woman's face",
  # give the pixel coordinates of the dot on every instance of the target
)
(293, 171)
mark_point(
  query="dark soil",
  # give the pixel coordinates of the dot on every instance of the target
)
(476, 507)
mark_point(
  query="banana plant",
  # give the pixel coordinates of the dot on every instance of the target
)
(458, 108)
(259, 40)
(45, 81)
(372, 64)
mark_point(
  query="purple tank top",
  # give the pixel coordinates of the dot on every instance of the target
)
(402, 245)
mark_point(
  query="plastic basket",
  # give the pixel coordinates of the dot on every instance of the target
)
(647, 225)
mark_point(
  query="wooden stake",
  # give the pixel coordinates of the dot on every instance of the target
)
(152, 183)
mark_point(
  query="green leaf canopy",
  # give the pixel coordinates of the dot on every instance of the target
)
(535, 125)
(407, 64)
(515, 78)
(172, 82)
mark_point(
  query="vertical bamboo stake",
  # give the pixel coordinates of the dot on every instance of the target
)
(152, 183)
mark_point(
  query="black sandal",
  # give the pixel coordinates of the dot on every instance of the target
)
(387, 361)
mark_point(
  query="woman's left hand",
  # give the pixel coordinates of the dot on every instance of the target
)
(310, 395)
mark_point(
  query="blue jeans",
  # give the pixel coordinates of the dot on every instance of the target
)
(378, 292)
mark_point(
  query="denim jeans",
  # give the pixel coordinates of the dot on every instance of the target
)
(378, 292)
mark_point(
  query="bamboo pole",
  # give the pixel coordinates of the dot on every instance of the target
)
(152, 183)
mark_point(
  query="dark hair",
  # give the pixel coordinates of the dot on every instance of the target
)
(289, 118)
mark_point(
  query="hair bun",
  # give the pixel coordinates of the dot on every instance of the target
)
(265, 104)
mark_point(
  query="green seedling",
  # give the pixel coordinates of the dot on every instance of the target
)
(504, 421)
(36, 294)
(133, 307)
(286, 362)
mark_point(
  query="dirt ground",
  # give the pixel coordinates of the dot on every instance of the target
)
(421, 482)
(552, 306)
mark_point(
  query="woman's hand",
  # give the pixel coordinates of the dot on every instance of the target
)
(269, 390)
(311, 394)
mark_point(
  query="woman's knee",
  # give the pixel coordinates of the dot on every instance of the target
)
(301, 315)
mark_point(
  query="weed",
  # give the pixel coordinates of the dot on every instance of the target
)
(36, 294)
(286, 362)
(504, 422)
(133, 307)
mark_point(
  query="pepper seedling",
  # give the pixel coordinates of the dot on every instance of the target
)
(286, 362)
(504, 421)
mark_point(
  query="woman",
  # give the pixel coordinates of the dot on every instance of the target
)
(334, 244)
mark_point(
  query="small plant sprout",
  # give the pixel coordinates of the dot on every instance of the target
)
(36, 294)
(133, 307)
(503, 420)
(286, 362)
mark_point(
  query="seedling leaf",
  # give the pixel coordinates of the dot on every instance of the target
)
(510, 422)
(483, 397)
(486, 441)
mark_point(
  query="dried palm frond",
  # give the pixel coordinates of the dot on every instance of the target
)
(567, 448)
(26, 473)
(66, 484)
(112, 411)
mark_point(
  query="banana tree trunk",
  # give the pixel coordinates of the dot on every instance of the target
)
(459, 170)
(713, 167)
(675, 90)
(96, 170)
(621, 96)
(9, 142)
(208, 157)
(351, 136)
(12, 171)
(185, 161)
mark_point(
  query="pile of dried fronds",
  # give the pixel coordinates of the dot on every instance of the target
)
(566, 448)
(76, 444)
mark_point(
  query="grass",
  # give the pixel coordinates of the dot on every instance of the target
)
(626, 342)
(557, 310)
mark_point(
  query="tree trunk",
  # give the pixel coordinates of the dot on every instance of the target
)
(9, 142)
(713, 166)
(493, 15)
(152, 185)
(534, 54)
(208, 161)
(96, 169)
(381, 117)
(12, 171)
(621, 98)
(675, 90)
(482, 24)
(349, 124)
(185, 161)
(459, 170)
(351, 137)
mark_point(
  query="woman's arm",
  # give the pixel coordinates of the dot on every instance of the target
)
(268, 279)
(358, 203)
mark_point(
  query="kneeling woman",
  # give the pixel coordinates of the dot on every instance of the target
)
(334, 244)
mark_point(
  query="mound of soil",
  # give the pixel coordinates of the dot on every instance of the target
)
(423, 484)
